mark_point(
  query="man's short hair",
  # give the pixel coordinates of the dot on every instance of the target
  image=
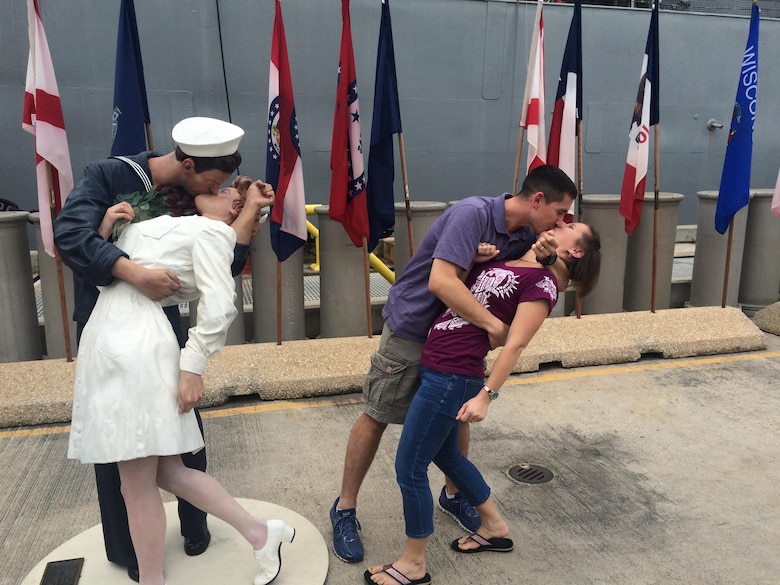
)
(226, 164)
(550, 180)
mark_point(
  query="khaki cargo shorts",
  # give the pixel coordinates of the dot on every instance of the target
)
(393, 378)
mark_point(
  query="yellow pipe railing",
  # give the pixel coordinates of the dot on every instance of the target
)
(374, 261)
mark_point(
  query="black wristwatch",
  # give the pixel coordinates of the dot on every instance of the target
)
(549, 261)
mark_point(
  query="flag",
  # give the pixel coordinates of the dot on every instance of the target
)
(562, 150)
(532, 118)
(776, 197)
(348, 182)
(646, 114)
(42, 117)
(386, 121)
(734, 192)
(284, 168)
(131, 110)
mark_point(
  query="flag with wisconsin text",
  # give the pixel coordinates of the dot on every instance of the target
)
(646, 114)
(42, 117)
(348, 182)
(284, 168)
(567, 111)
(734, 192)
(131, 110)
(386, 121)
(532, 118)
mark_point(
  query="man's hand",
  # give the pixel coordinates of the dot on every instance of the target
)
(545, 245)
(155, 283)
(474, 410)
(497, 333)
(190, 390)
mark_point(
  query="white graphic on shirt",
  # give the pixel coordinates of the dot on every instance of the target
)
(493, 282)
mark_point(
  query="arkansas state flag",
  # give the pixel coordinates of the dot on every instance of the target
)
(131, 110)
(284, 168)
(42, 117)
(532, 118)
(348, 181)
(734, 192)
(385, 122)
(645, 115)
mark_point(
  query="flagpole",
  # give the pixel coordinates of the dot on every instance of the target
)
(60, 275)
(402, 154)
(728, 265)
(517, 159)
(149, 139)
(578, 299)
(655, 216)
(367, 279)
(278, 302)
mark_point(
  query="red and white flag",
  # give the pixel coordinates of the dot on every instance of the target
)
(42, 117)
(646, 114)
(532, 118)
(776, 197)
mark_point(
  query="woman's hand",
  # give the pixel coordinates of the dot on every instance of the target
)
(119, 212)
(474, 410)
(485, 253)
(191, 390)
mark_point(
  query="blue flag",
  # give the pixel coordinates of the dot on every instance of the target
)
(131, 110)
(734, 192)
(386, 122)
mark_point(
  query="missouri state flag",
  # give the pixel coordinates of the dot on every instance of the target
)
(734, 192)
(532, 118)
(646, 114)
(284, 168)
(42, 117)
(131, 109)
(385, 122)
(348, 181)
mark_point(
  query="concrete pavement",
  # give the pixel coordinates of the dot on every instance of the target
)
(666, 471)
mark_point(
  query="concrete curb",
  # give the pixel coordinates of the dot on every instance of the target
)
(39, 392)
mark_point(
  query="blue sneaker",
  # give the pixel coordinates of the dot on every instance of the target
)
(461, 511)
(346, 534)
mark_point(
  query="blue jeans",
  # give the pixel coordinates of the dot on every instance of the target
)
(430, 433)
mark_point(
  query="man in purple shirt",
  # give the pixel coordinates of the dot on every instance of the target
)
(430, 282)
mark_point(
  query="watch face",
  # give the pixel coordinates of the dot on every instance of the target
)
(493, 395)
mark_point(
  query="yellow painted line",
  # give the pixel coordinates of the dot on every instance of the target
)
(529, 378)
(640, 367)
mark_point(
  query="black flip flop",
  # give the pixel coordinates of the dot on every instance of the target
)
(398, 576)
(485, 544)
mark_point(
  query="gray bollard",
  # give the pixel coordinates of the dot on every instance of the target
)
(424, 213)
(342, 281)
(20, 337)
(709, 261)
(603, 213)
(760, 279)
(52, 304)
(264, 295)
(638, 284)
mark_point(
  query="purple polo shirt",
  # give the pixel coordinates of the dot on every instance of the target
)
(454, 236)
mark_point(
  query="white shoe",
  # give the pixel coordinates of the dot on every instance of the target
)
(269, 557)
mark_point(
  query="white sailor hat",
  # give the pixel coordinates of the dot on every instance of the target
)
(206, 137)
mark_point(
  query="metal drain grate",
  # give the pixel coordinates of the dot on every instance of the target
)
(526, 473)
